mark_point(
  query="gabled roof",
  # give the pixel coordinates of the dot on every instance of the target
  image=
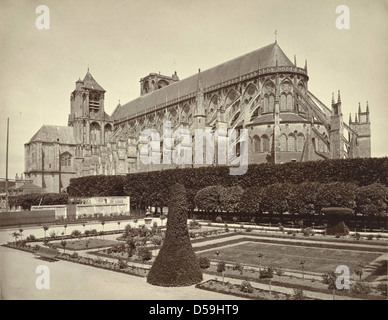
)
(61, 134)
(28, 186)
(90, 83)
(267, 56)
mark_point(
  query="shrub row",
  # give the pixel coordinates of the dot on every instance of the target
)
(152, 188)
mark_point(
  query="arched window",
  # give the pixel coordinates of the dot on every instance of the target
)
(283, 142)
(283, 102)
(300, 142)
(266, 102)
(265, 141)
(95, 131)
(256, 144)
(185, 114)
(289, 102)
(291, 142)
(66, 159)
(271, 103)
(108, 132)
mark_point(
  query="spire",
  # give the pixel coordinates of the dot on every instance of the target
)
(199, 83)
(367, 107)
(339, 97)
(332, 98)
(200, 110)
(356, 120)
(276, 36)
(350, 118)
(359, 108)
(295, 60)
(305, 65)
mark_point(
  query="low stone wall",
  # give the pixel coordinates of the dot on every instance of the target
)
(60, 210)
(15, 218)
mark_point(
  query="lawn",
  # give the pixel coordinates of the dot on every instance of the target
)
(289, 256)
(85, 244)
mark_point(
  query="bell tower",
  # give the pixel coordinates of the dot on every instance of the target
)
(91, 125)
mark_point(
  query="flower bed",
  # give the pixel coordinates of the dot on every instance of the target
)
(84, 244)
(337, 245)
(120, 266)
(243, 290)
(252, 275)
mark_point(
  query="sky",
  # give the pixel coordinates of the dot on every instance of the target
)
(122, 41)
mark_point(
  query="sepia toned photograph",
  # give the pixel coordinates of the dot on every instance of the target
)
(197, 151)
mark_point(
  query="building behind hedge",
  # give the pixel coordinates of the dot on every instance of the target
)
(262, 91)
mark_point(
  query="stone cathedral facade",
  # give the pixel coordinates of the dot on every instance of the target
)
(263, 92)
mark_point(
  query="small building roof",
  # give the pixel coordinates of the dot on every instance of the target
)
(61, 134)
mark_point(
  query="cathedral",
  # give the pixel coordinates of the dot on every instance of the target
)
(263, 92)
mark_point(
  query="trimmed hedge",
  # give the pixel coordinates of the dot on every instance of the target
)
(176, 264)
(151, 188)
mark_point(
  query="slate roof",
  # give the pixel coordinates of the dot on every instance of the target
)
(90, 83)
(250, 62)
(59, 134)
(27, 186)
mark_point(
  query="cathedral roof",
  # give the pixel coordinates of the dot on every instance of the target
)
(90, 83)
(61, 134)
(268, 56)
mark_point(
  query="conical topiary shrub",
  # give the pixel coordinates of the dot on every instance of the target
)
(176, 264)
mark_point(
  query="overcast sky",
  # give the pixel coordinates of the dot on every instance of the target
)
(122, 41)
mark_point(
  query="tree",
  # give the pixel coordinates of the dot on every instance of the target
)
(302, 263)
(76, 234)
(45, 228)
(103, 223)
(63, 244)
(221, 267)
(250, 201)
(15, 235)
(372, 201)
(298, 295)
(267, 273)
(131, 246)
(302, 198)
(208, 199)
(274, 198)
(176, 263)
(260, 256)
(204, 262)
(330, 279)
(144, 253)
(337, 194)
(21, 233)
(359, 271)
(230, 198)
